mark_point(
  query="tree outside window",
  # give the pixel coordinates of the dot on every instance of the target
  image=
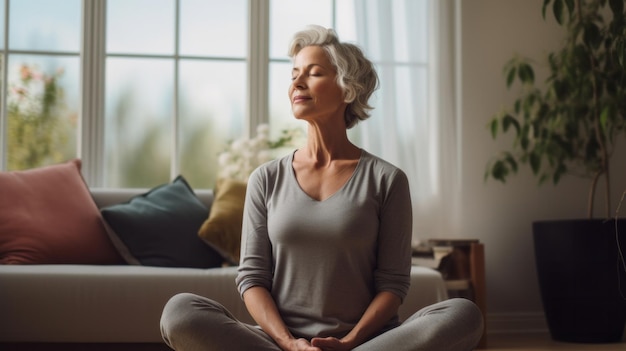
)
(37, 132)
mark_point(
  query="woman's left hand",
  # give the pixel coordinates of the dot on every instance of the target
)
(330, 344)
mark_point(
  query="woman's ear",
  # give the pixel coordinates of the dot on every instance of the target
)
(348, 95)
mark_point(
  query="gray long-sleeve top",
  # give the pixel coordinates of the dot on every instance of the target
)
(324, 261)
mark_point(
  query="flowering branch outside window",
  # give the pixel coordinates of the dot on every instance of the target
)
(38, 132)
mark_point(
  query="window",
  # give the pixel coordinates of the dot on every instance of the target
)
(142, 96)
(40, 65)
(175, 88)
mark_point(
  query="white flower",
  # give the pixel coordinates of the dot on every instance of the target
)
(224, 159)
(238, 145)
(244, 155)
(263, 129)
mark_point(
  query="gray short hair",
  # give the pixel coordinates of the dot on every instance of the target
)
(355, 73)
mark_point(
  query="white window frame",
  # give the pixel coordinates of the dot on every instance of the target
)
(91, 126)
(93, 58)
(90, 140)
(4, 53)
(93, 62)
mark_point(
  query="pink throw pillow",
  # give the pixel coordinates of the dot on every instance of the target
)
(47, 216)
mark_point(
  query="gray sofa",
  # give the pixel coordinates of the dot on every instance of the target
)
(118, 307)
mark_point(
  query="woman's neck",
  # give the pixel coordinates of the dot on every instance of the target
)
(327, 144)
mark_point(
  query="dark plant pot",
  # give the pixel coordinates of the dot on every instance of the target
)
(580, 277)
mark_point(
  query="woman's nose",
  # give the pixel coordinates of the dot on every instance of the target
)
(298, 82)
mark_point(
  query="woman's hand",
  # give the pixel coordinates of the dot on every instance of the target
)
(331, 344)
(381, 309)
(263, 309)
(300, 345)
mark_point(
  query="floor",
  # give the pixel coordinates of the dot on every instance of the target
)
(543, 342)
(495, 342)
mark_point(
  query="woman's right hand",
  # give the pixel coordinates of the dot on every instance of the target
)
(263, 309)
(299, 345)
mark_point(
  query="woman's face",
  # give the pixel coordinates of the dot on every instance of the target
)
(314, 92)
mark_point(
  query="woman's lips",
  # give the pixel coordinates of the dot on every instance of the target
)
(300, 98)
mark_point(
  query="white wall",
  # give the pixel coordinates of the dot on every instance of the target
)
(492, 31)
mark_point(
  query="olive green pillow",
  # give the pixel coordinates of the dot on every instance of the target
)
(222, 229)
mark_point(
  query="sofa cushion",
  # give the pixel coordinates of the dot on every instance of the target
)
(159, 228)
(123, 304)
(47, 216)
(222, 230)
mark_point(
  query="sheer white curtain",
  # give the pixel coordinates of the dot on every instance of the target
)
(414, 122)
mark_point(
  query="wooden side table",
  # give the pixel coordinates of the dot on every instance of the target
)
(462, 265)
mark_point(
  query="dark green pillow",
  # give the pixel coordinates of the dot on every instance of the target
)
(160, 228)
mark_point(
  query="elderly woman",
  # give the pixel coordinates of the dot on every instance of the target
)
(326, 239)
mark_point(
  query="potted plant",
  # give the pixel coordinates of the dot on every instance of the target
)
(570, 124)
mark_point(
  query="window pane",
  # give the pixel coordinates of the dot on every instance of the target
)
(410, 30)
(214, 28)
(345, 20)
(1, 26)
(42, 110)
(290, 16)
(138, 122)
(212, 109)
(45, 25)
(140, 26)
(415, 130)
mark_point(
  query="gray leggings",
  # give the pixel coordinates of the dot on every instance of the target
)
(191, 322)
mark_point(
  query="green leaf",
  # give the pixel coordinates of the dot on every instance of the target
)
(561, 90)
(570, 7)
(552, 59)
(510, 77)
(529, 103)
(557, 9)
(521, 73)
(493, 125)
(524, 141)
(604, 118)
(592, 36)
(509, 120)
(620, 49)
(526, 73)
(543, 9)
(531, 73)
(511, 161)
(581, 58)
(499, 171)
(535, 162)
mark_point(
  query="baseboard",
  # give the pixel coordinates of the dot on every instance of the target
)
(516, 323)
